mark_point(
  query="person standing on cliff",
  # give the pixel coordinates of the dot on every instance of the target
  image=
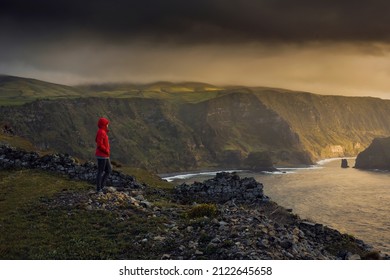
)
(102, 154)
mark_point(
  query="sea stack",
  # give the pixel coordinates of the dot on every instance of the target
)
(344, 163)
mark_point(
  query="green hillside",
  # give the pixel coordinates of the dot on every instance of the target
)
(167, 127)
(174, 92)
(17, 91)
(152, 134)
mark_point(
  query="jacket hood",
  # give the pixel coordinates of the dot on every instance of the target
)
(103, 122)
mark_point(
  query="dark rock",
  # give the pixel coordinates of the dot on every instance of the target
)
(259, 161)
(376, 156)
(224, 187)
(286, 244)
(344, 163)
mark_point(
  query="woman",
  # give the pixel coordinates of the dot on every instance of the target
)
(102, 154)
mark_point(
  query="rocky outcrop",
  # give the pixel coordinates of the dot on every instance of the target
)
(376, 156)
(263, 230)
(224, 187)
(110, 200)
(259, 161)
(12, 158)
(344, 163)
(266, 231)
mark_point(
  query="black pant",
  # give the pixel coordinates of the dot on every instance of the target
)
(104, 170)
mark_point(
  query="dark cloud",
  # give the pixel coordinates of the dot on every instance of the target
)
(199, 21)
(337, 47)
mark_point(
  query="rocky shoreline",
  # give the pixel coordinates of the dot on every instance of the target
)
(258, 228)
(226, 217)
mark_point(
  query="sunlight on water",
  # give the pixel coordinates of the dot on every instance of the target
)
(350, 200)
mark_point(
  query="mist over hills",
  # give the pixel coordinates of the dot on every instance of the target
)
(168, 127)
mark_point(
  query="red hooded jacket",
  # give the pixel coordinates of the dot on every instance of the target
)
(102, 144)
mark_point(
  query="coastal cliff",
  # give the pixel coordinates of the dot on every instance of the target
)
(167, 127)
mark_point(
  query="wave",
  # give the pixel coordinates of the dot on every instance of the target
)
(190, 175)
(327, 160)
(279, 171)
(291, 170)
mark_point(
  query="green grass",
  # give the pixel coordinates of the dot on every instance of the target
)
(16, 141)
(40, 233)
(20, 188)
(202, 210)
(35, 224)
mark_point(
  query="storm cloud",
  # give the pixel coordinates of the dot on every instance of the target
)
(201, 21)
(330, 47)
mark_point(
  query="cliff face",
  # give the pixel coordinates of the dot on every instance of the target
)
(160, 135)
(171, 127)
(331, 126)
(376, 156)
(143, 133)
(238, 126)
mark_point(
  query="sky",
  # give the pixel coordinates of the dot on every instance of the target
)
(327, 47)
